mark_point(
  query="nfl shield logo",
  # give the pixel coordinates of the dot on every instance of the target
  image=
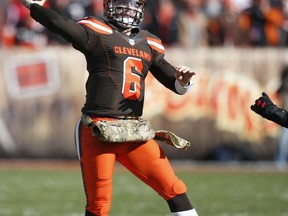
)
(132, 42)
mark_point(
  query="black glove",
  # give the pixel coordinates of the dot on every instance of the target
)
(267, 109)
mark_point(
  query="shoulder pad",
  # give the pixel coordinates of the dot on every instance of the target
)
(156, 44)
(96, 25)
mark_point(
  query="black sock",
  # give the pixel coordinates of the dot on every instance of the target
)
(179, 203)
(88, 213)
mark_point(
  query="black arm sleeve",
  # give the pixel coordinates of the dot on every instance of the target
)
(67, 28)
(164, 73)
(278, 115)
(285, 121)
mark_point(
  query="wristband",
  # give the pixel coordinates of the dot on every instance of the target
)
(182, 89)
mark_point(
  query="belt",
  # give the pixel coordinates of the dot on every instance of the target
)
(126, 117)
(88, 122)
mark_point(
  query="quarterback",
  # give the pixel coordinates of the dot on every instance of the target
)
(119, 56)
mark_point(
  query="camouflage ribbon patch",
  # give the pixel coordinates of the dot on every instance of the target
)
(123, 130)
(137, 130)
(171, 139)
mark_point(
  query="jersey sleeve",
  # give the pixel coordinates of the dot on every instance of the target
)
(285, 120)
(73, 32)
(96, 25)
(160, 68)
(278, 115)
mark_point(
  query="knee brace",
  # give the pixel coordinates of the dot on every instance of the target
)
(175, 189)
(179, 187)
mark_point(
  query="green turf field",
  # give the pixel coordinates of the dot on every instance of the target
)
(59, 193)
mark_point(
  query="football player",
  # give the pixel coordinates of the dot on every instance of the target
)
(119, 56)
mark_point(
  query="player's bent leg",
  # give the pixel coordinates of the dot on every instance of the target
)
(149, 163)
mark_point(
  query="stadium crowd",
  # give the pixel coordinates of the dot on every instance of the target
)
(187, 23)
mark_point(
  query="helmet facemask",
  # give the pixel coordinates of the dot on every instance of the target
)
(126, 13)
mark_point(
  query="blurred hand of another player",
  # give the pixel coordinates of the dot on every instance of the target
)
(267, 109)
(28, 3)
(263, 105)
(184, 75)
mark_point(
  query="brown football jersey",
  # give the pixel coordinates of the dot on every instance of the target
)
(117, 63)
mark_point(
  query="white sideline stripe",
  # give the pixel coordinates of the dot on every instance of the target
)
(97, 26)
(77, 141)
(155, 44)
(6, 139)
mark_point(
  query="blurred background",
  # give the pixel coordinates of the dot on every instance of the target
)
(236, 47)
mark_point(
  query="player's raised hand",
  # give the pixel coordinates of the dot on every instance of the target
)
(184, 75)
(262, 105)
(28, 3)
(267, 109)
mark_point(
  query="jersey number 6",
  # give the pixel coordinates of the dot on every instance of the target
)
(131, 88)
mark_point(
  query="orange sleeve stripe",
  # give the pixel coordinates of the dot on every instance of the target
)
(156, 44)
(96, 26)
